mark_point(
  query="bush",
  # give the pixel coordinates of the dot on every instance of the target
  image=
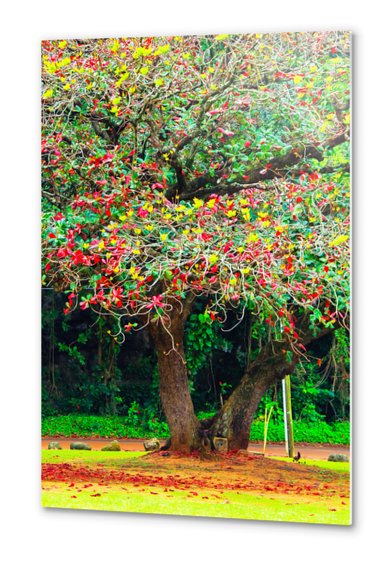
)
(134, 427)
(318, 432)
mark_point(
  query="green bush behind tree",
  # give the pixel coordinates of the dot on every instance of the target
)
(136, 426)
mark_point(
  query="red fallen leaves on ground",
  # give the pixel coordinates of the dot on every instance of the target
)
(65, 472)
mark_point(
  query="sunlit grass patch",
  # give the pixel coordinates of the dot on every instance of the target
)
(228, 505)
(337, 466)
(55, 456)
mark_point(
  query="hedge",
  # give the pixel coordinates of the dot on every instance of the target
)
(73, 425)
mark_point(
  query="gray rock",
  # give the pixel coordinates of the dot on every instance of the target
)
(152, 445)
(54, 445)
(114, 446)
(242, 453)
(338, 458)
(80, 446)
(221, 444)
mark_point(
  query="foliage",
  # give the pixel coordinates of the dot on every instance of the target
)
(318, 432)
(192, 165)
(139, 426)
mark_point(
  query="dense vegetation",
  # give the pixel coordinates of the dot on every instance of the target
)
(192, 185)
(126, 397)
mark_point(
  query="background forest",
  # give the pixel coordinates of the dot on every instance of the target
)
(86, 374)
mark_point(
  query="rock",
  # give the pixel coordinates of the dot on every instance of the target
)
(221, 444)
(338, 458)
(80, 446)
(152, 445)
(114, 446)
(242, 453)
(54, 445)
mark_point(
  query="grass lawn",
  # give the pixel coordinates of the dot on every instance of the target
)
(205, 501)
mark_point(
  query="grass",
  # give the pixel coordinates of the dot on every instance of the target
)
(95, 456)
(337, 466)
(240, 506)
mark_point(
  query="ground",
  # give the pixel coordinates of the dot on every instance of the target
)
(252, 487)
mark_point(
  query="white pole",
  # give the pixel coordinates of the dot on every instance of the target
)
(285, 414)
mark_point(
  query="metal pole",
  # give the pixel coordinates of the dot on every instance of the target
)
(288, 416)
(285, 413)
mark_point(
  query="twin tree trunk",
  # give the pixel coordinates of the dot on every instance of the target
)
(234, 420)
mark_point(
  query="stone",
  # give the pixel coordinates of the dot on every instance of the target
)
(114, 446)
(221, 444)
(54, 445)
(242, 453)
(338, 458)
(80, 446)
(152, 445)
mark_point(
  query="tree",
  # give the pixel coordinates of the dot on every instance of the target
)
(182, 166)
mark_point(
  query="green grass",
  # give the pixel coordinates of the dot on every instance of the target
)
(240, 506)
(95, 456)
(337, 466)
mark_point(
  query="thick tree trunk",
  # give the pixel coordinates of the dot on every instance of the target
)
(173, 382)
(235, 418)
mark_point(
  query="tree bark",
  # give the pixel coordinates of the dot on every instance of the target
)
(234, 420)
(173, 382)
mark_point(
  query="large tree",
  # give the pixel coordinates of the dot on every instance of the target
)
(182, 166)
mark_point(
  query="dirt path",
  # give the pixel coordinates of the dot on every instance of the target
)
(314, 452)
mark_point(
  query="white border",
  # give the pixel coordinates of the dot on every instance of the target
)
(59, 535)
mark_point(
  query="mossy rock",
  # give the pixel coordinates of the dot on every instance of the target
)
(338, 458)
(113, 446)
(54, 445)
(80, 446)
(152, 445)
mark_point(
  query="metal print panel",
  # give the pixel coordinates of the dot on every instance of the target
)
(196, 275)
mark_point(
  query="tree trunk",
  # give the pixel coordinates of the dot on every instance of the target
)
(234, 420)
(173, 382)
